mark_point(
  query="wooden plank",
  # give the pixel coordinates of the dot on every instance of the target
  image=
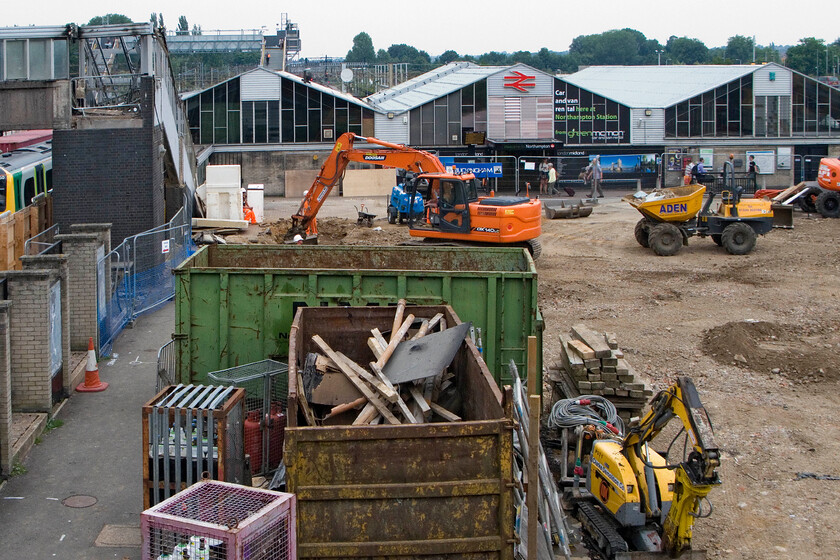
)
(346, 406)
(782, 196)
(571, 360)
(395, 339)
(612, 340)
(417, 395)
(592, 339)
(368, 413)
(398, 318)
(304, 406)
(356, 380)
(532, 497)
(20, 233)
(581, 349)
(532, 366)
(443, 413)
(387, 392)
(379, 338)
(375, 348)
(400, 403)
(427, 326)
(6, 234)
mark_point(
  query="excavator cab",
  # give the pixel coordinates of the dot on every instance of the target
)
(448, 200)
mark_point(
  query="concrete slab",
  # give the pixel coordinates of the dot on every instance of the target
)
(26, 427)
(120, 536)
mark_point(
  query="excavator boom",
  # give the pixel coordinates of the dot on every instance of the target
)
(455, 213)
(392, 155)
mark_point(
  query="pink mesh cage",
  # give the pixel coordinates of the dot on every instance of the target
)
(214, 520)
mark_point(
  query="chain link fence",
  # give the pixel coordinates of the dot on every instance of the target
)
(137, 275)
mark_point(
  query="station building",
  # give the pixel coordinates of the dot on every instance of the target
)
(636, 117)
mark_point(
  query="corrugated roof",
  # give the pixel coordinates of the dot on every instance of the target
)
(430, 86)
(294, 78)
(655, 86)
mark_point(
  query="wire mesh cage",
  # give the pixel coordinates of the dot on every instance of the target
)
(214, 520)
(191, 432)
(266, 385)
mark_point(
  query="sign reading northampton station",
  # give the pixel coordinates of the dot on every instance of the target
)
(582, 117)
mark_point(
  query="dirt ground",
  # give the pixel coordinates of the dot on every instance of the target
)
(759, 335)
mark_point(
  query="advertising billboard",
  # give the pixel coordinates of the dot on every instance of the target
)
(582, 117)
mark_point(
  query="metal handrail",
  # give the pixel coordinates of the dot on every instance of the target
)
(165, 366)
(42, 246)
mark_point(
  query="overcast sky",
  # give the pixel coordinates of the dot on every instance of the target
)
(327, 27)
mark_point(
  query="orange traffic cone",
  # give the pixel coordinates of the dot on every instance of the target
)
(92, 383)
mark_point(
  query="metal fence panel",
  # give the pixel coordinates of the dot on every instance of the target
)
(138, 274)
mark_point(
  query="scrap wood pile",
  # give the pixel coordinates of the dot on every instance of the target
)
(407, 380)
(591, 363)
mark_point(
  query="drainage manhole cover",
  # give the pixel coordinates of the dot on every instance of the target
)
(80, 501)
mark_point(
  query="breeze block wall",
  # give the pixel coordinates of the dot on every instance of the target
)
(110, 169)
(5, 392)
(81, 250)
(29, 325)
(58, 264)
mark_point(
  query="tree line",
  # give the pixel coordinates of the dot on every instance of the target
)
(622, 47)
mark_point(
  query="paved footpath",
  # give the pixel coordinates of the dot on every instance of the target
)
(97, 452)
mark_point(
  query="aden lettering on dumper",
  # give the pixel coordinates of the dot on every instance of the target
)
(670, 208)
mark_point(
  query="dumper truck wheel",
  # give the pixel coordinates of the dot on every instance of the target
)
(642, 232)
(392, 215)
(738, 238)
(828, 204)
(665, 239)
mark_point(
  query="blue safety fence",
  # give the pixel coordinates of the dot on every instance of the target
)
(137, 275)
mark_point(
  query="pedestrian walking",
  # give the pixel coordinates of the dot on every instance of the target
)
(544, 176)
(552, 178)
(595, 174)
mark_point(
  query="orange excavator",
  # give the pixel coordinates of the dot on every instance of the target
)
(455, 213)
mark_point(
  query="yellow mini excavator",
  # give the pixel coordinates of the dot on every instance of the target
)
(635, 499)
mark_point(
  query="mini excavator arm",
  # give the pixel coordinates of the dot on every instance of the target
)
(695, 476)
(393, 155)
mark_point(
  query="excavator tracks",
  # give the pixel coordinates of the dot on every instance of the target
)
(601, 530)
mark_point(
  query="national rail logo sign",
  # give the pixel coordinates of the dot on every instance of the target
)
(520, 81)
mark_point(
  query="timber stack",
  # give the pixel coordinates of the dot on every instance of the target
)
(591, 363)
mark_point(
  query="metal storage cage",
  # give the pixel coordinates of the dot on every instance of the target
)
(192, 432)
(266, 385)
(215, 520)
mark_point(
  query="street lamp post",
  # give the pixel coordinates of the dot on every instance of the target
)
(659, 57)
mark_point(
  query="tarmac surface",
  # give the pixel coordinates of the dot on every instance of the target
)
(95, 453)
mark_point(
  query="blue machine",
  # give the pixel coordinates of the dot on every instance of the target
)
(398, 204)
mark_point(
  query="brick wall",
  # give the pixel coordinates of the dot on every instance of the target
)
(59, 265)
(110, 169)
(29, 324)
(81, 252)
(5, 393)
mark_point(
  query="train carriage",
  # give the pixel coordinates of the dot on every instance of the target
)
(24, 174)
